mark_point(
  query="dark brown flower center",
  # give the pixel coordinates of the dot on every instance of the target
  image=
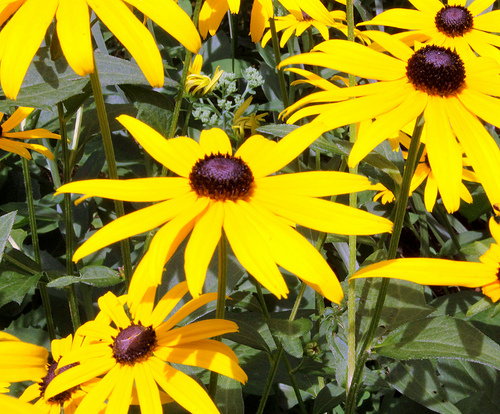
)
(454, 21)
(436, 70)
(221, 177)
(133, 344)
(51, 374)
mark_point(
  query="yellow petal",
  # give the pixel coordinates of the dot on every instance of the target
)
(109, 304)
(19, 115)
(323, 215)
(252, 151)
(182, 388)
(178, 154)
(12, 405)
(23, 35)
(194, 332)
(430, 193)
(201, 246)
(478, 6)
(489, 22)
(149, 395)
(120, 398)
(171, 18)
(22, 361)
(214, 141)
(403, 19)
(436, 272)
(259, 18)
(137, 189)
(395, 47)
(73, 31)
(211, 15)
(31, 134)
(166, 304)
(494, 229)
(133, 35)
(427, 6)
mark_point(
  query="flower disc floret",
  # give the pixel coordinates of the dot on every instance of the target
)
(133, 344)
(436, 70)
(221, 177)
(454, 21)
(52, 372)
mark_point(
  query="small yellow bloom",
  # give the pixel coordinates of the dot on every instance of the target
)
(28, 21)
(242, 123)
(442, 272)
(197, 84)
(139, 350)
(8, 139)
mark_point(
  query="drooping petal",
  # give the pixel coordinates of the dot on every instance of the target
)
(323, 215)
(252, 250)
(135, 223)
(19, 115)
(73, 31)
(208, 354)
(194, 332)
(259, 17)
(214, 141)
(133, 35)
(149, 395)
(179, 157)
(136, 189)
(15, 147)
(21, 38)
(447, 170)
(171, 18)
(119, 399)
(430, 193)
(436, 272)
(211, 15)
(482, 151)
(294, 253)
(109, 304)
(31, 134)
(494, 229)
(201, 246)
(483, 106)
(314, 183)
(183, 389)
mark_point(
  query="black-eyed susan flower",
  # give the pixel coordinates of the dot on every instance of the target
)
(455, 25)
(299, 21)
(213, 11)
(451, 93)
(423, 172)
(442, 272)
(217, 190)
(27, 22)
(67, 400)
(250, 123)
(138, 350)
(9, 140)
(198, 84)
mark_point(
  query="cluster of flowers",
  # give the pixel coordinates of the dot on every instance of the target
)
(124, 355)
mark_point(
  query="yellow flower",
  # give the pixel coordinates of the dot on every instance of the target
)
(423, 172)
(299, 21)
(12, 405)
(216, 190)
(28, 20)
(442, 272)
(7, 139)
(140, 350)
(198, 84)
(450, 92)
(213, 11)
(242, 123)
(455, 25)
(21, 361)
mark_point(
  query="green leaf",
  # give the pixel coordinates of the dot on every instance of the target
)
(248, 331)
(6, 223)
(97, 276)
(284, 328)
(228, 397)
(277, 130)
(440, 337)
(15, 286)
(418, 381)
(328, 398)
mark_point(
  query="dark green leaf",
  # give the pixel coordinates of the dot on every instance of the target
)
(97, 276)
(14, 286)
(290, 329)
(328, 398)
(440, 337)
(229, 398)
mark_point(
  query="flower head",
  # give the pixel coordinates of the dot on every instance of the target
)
(217, 190)
(197, 84)
(28, 21)
(454, 25)
(442, 272)
(138, 349)
(451, 92)
(8, 140)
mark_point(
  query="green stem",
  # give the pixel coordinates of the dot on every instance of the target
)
(68, 221)
(277, 59)
(111, 161)
(221, 303)
(36, 248)
(353, 202)
(401, 203)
